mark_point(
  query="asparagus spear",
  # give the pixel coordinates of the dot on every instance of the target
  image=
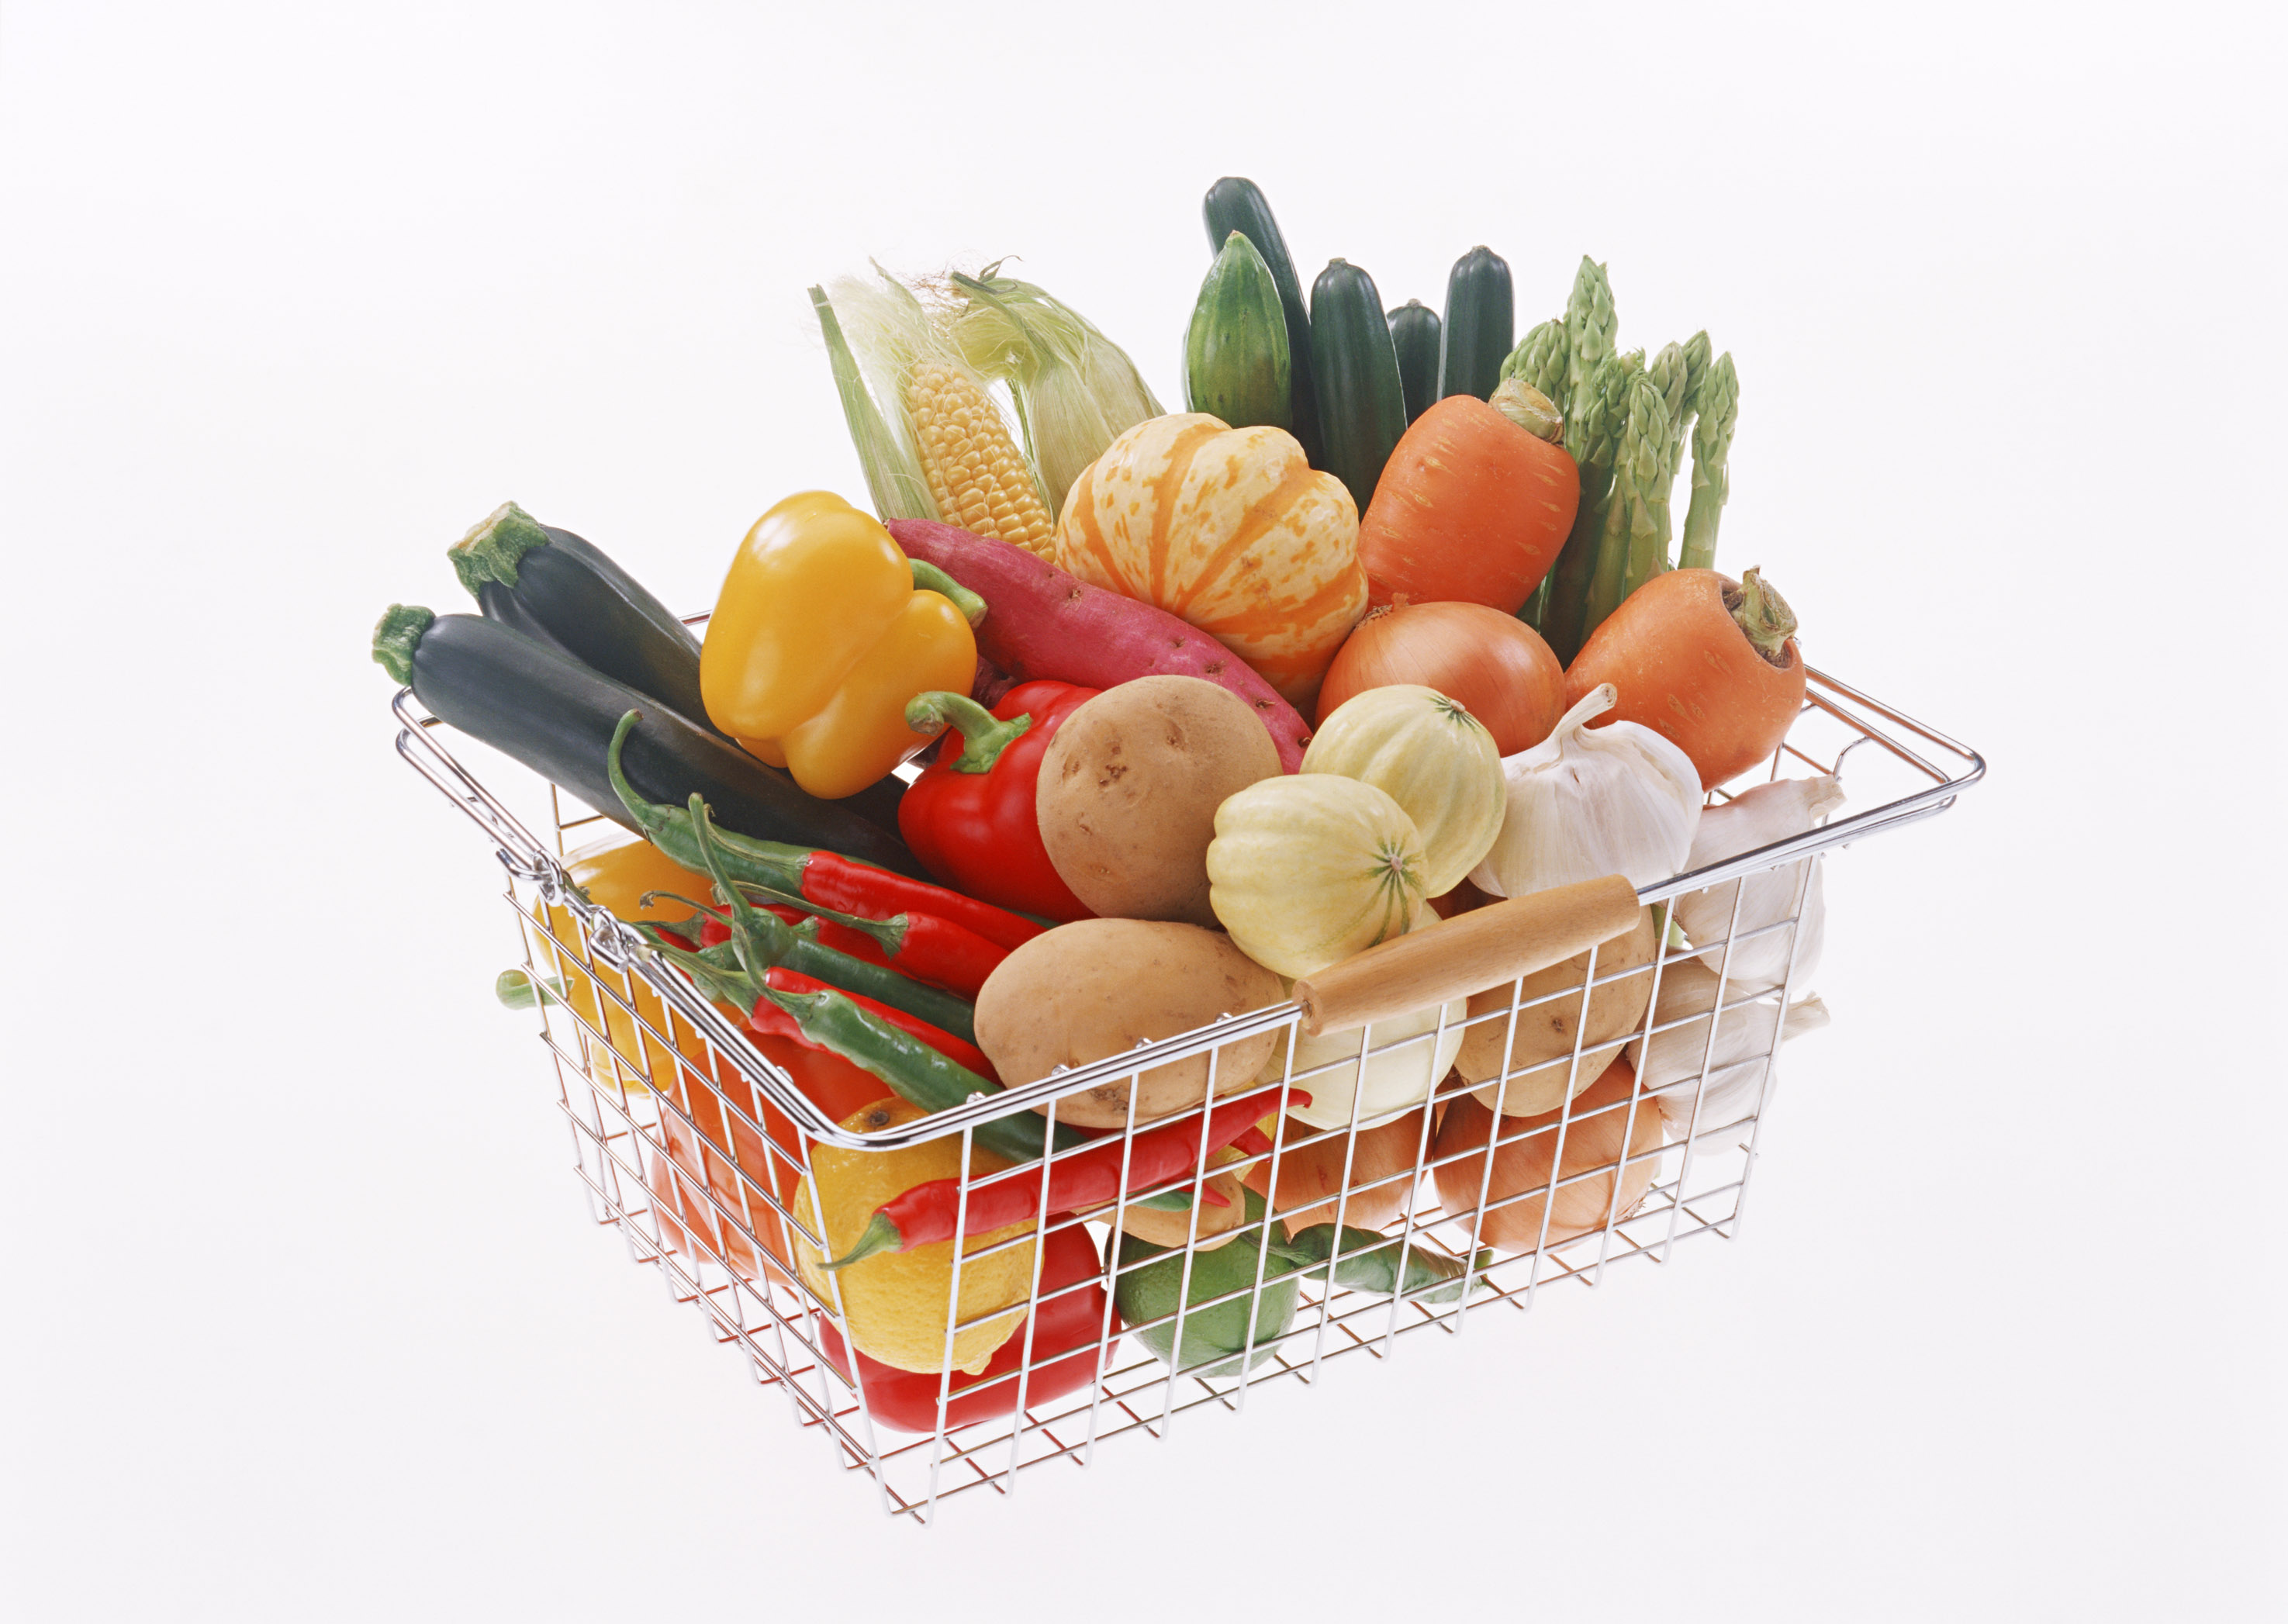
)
(1541, 360)
(1698, 354)
(1629, 533)
(1672, 375)
(1590, 325)
(1592, 435)
(1717, 402)
(1671, 372)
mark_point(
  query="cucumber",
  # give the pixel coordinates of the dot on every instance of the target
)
(1414, 335)
(1235, 356)
(563, 590)
(556, 716)
(1237, 204)
(1481, 316)
(1363, 406)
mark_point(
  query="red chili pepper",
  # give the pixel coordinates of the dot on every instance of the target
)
(1091, 1177)
(1064, 1339)
(768, 1017)
(919, 946)
(876, 894)
(970, 816)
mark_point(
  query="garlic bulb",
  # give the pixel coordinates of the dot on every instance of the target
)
(1767, 900)
(1749, 1028)
(1726, 1105)
(1584, 804)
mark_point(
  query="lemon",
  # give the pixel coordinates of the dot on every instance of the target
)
(894, 1305)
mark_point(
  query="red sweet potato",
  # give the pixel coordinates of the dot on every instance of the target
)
(1041, 621)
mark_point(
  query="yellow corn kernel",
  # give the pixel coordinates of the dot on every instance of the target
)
(976, 474)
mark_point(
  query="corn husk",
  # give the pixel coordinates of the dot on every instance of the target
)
(1075, 391)
(883, 439)
(889, 331)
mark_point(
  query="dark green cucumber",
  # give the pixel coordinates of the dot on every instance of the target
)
(1236, 365)
(1236, 204)
(1414, 335)
(1481, 319)
(1361, 404)
(561, 589)
(556, 716)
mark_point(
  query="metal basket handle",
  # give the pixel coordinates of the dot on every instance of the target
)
(1466, 953)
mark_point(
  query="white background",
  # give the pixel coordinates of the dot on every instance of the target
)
(304, 1317)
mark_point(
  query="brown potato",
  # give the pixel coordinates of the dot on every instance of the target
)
(1541, 1052)
(1100, 986)
(1129, 788)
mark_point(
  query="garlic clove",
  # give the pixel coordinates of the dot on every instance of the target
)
(1763, 938)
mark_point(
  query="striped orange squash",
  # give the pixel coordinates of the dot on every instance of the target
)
(1230, 530)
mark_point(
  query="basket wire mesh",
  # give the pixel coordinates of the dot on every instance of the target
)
(694, 1146)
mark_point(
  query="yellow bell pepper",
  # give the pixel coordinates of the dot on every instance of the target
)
(820, 637)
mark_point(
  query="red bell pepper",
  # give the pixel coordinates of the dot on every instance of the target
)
(970, 816)
(1065, 1340)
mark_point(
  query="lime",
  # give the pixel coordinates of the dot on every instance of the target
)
(1216, 1337)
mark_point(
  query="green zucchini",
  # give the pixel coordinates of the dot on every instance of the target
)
(556, 716)
(1414, 331)
(1235, 357)
(1481, 318)
(1363, 406)
(1236, 204)
(561, 590)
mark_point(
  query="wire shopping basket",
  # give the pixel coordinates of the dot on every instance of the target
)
(1610, 1140)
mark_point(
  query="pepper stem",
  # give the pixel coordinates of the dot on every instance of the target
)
(887, 934)
(1765, 617)
(929, 578)
(748, 928)
(983, 735)
(880, 1235)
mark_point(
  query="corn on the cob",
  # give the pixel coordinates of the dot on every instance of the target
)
(976, 475)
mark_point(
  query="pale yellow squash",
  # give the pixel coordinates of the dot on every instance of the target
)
(1304, 871)
(1430, 754)
(1230, 530)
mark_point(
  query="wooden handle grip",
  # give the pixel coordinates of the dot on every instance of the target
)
(1466, 953)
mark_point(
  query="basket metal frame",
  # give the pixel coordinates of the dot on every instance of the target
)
(665, 1158)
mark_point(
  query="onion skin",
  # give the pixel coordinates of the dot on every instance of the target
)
(1493, 664)
(1684, 669)
(1311, 1168)
(1522, 1164)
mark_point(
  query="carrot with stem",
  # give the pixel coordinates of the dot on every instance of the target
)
(1708, 662)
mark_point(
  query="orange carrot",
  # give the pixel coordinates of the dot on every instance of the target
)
(1702, 659)
(1470, 508)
